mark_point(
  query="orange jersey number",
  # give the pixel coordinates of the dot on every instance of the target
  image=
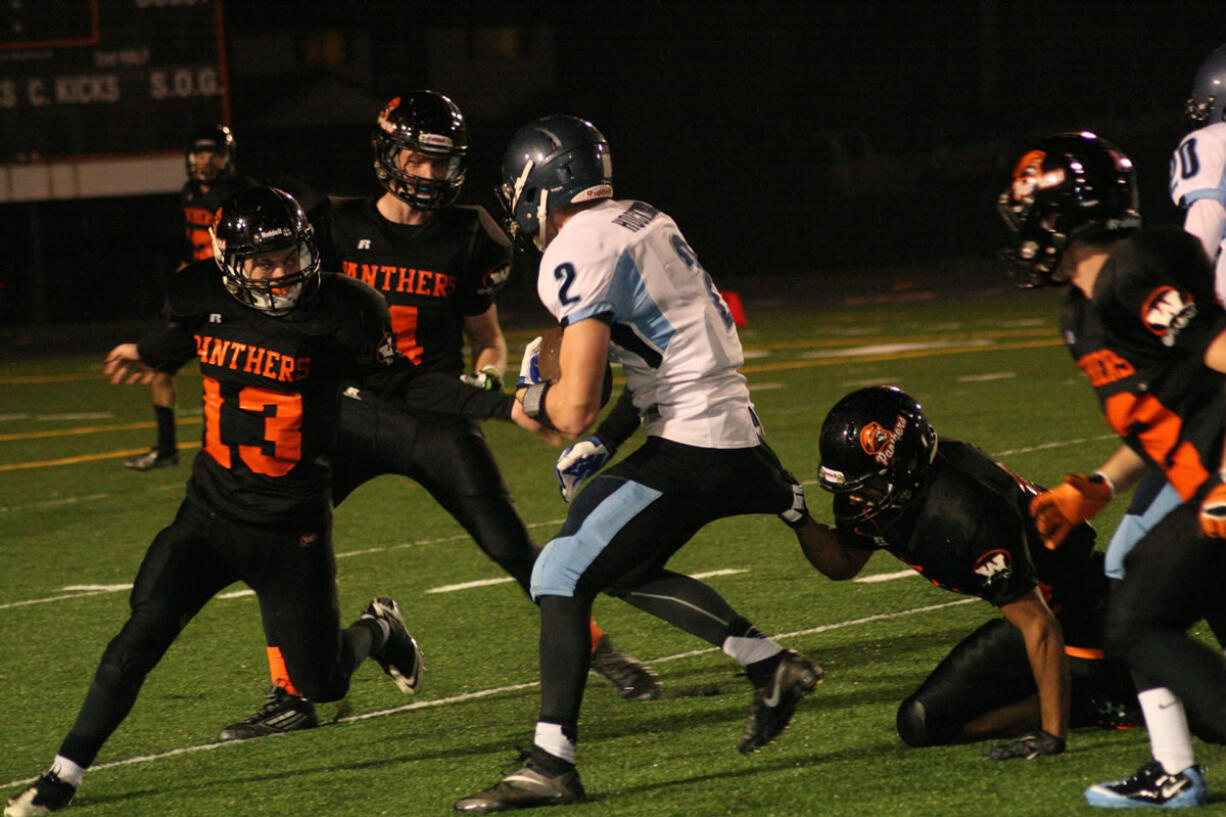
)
(282, 413)
(404, 324)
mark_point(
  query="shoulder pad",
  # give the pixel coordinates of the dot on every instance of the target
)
(196, 289)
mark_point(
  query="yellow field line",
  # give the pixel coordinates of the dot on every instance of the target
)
(70, 432)
(17, 466)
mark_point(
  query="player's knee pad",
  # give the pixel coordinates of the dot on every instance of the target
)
(912, 723)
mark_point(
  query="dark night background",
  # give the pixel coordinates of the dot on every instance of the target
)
(786, 139)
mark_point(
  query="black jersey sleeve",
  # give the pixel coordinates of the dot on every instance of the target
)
(167, 350)
(488, 266)
(376, 364)
(1163, 279)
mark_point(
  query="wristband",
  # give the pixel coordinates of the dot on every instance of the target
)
(534, 404)
(1099, 476)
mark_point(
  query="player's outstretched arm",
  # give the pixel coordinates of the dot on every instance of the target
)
(820, 545)
(123, 366)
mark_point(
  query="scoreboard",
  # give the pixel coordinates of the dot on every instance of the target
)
(86, 82)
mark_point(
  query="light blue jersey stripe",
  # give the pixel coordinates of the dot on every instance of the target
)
(634, 306)
(562, 562)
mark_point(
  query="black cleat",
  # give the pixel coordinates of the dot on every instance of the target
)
(282, 713)
(1151, 787)
(634, 680)
(775, 701)
(48, 794)
(399, 656)
(154, 459)
(527, 788)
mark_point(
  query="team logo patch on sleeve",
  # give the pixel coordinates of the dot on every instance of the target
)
(1166, 312)
(494, 280)
(995, 565)
(386, 352)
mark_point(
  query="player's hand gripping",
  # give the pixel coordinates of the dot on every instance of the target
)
(487, 379)
(1028, 746)
(580, 461)
(795, 516)
(529, 367)
(1213, 512)
(1058, 511)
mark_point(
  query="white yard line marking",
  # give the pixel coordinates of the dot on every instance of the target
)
(451, 588)
(885, 577)
(83, 415)
(892, 348)
(485, 693)
(983, 378)
(767, 386)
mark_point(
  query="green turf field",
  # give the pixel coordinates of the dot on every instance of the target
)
(74, 525)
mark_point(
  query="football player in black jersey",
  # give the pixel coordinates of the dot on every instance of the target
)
(961, 519)
(1141, 320)
(438, 264)
(211, 179)
(276, 340)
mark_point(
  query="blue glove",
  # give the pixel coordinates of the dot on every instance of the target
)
(578, 462)
(529, 367)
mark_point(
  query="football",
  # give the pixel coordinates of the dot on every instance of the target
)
(549, 365)
(547, 361)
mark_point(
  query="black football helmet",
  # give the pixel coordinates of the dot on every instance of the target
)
(259, 220)
(876, 447)
(1068, 187)
(553, 161)
(429, 123)
(1207, 105)
(217, 139)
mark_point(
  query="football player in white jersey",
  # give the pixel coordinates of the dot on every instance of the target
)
(1197, 184)
(1198, 166)
(621, 279)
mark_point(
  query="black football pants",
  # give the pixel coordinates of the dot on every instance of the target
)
(1173, 578)
(293, 573)
(446, 455)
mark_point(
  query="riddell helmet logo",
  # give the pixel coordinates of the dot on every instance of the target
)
(879, 443)
(1028, 176)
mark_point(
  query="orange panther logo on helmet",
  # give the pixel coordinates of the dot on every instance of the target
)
(874, 438)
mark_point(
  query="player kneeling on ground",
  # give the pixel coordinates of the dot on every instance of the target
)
(961, 520)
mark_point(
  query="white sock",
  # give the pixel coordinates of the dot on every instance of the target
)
(1169, 738)
(746, 651)
(68, 771)
(550, 738)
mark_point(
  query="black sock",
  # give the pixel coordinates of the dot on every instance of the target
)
(546, 763)
(760, 672)
(167, 444)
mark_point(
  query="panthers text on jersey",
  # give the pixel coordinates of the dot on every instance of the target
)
(970, 531)
(626, 263)
(198, 211)
(272, 387)
(1141, 342)
(432, 275)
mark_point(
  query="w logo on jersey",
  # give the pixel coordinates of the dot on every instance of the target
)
(1167, 311)
(993, 565)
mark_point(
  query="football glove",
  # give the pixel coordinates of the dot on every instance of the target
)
(1213, 512)
(487, 379)
(795, 516)
(1028, 746)
(1058, 511)
(529, 366)
(580, 461)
